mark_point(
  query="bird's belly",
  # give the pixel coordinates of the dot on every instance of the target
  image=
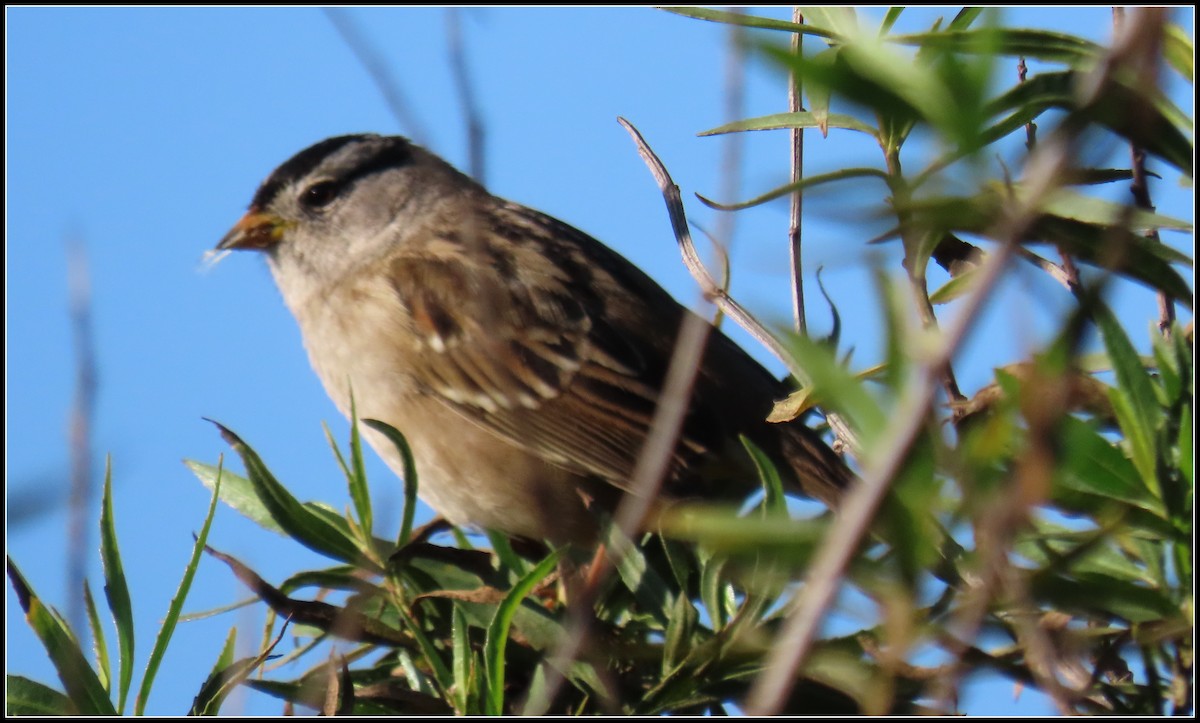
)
(472, 477)
(466, 473)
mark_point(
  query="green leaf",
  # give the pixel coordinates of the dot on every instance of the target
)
(679, 632)
(956, 287)
(99, 645)
(750, 21)
(1087, 552)
(906, 519)
(1186, 451)
(172, 617)
(116, 589)
(713, 585)
(720, 528)
(1093, 465)
(463, 661)
(237, 492)
(359, 493)
(774, 501)
(225, 658)
(504, 552)
(838, 389)
(1103, 595)
(1139, 258)
(308, 527)
(807, 182)
(964, 18)
(84, 689)
(1133, 398)
(1067, 203)
(410, 476)
(841, 20)
(1040, 44)
(341, 577)
(223, 678)
(29, 697)
(889, 19)
(497, 633)
(820, 95)
(648, 588)
(1179, 51)
(801, 119)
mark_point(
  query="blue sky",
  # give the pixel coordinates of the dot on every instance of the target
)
(144, 132)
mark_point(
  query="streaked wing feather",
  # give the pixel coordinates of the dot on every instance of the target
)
(534, 363)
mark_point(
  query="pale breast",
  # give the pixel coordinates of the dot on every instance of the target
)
(467, 473)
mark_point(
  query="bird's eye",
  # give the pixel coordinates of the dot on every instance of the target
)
(320, 194)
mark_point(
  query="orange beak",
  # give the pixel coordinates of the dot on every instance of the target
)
(255, 231)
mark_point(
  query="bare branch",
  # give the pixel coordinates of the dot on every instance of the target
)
(476, 156)
(795, 97)
(1148, 63)
(712, 291)
(379, 71)
(79, 427)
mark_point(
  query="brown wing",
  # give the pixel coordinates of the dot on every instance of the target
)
(533, 351)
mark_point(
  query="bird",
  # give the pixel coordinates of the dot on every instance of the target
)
(521, 358)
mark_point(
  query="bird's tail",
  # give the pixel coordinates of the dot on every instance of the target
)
(820, 472)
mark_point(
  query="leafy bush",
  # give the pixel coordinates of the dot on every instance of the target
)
(1051, 511)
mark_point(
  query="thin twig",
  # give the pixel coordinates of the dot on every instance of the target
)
(1030, 127)
(476, 156)
(379, 71)
(80, 426)
(731, 152)
(1149, 62)
(653, 460)
(712, 291)
(795, 97)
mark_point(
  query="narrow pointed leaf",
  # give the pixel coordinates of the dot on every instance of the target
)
(410, 475)
(116, 590)
(1133, 398)
(801, 119)
(99, 644)
(173, 609)
(83, 686)
(311, 529)
(497, 634)
(749, 21)
(27, 697)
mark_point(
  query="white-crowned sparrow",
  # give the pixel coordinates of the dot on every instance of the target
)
(521, 358)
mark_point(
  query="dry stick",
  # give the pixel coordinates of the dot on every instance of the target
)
(712, 291)
(379, 71)
(770, 689)
(655, 455)
(1068, 273)
(466, 94)
(1030, 127)
(79, 426)
(795, 95)
(842, 432)
(1140, 187)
